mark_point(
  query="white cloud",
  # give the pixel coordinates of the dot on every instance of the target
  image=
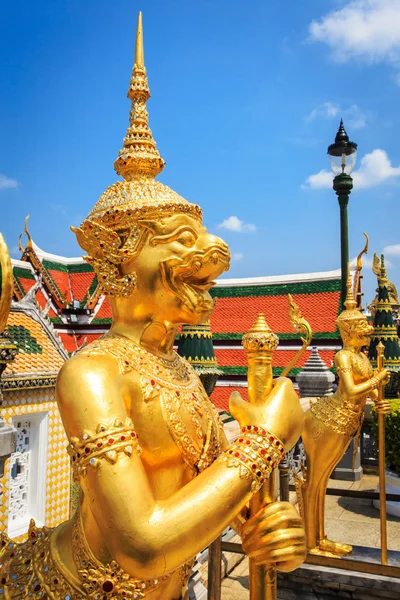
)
(368, 30)
(375, 168)
(235, 224)
(368, 260)
(323, 179)
(7, 183)
(237, 256)
(326, 110)
(393, 250)
(353, 116)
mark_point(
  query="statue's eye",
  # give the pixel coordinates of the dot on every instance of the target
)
(187, 239)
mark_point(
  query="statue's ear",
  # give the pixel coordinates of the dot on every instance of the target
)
(81, 237)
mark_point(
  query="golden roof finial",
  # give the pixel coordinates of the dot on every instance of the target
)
(139, 156)
(350, 302)
(139, 51)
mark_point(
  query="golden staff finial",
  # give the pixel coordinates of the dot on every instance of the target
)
(139, 157)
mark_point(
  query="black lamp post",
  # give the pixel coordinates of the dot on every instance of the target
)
(342, 157)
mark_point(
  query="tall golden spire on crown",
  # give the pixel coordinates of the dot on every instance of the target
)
(350, 311)
(139, 156)
(350, 302)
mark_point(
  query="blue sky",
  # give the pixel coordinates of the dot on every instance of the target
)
(244, 104)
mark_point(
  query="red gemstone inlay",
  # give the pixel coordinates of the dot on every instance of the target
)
(255, 428)
(271, 439)
(241, 440)
(237, 454)
(254, 466)
(153, 382)
(277, 444)
(111, 441)
(133, 434)
(263, 451)
(108, 586)
(249, 427)
(87, 450)
(269, 458)
(248, 442)
(122, 438)
(99, 445)
(264, 432)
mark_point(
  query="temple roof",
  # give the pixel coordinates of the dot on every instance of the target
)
(239, 301)
(40, 352)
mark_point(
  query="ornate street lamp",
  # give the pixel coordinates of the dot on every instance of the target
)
(342, 158)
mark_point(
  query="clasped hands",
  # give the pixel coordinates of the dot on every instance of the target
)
(275, 534)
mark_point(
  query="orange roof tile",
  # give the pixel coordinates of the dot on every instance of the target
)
(281, 358)
(80, 283)
(237, 314)
(221, 393)
(61, 280)
(105, 310)
(69, 341)
(26, 283)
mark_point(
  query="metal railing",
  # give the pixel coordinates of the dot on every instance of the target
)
(348, 564)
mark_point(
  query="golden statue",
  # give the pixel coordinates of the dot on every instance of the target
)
(333, 421)
(158, 480)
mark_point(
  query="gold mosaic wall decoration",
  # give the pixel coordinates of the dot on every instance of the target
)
(29, 402)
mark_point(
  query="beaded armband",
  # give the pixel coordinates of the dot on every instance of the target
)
(375, 382)
(256, 452)
(107, 443)
(344, 369)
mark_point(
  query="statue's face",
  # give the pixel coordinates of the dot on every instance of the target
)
(356, 333)
(176, 267)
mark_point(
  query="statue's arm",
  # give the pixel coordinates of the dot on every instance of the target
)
(147, 538)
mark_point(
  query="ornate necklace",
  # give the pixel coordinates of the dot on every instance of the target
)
(179, 389)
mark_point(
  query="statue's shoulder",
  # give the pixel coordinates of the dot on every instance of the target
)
(343, 358)
(94, 363)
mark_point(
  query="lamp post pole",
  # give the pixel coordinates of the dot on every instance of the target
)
(342, 156)
(343, 184)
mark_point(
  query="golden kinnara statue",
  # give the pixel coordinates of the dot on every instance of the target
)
(159, 481)
(333, 421)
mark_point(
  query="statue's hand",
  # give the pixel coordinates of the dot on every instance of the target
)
(280, 413)
(275, 535)
(383, 376)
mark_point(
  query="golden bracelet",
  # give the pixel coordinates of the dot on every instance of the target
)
(107, 443)
(256, 452)
(374, 381)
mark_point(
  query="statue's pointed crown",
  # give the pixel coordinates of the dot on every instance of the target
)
(138, 162)
(350, 312)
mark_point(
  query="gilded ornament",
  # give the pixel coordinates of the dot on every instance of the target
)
(142, 508)
(332, 422)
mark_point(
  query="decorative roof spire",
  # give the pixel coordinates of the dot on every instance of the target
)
(383, 279)
(195, 344)
(139, 156)
(385, 330)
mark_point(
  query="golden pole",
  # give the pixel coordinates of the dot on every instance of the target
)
(382, 463)
(260, 343)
